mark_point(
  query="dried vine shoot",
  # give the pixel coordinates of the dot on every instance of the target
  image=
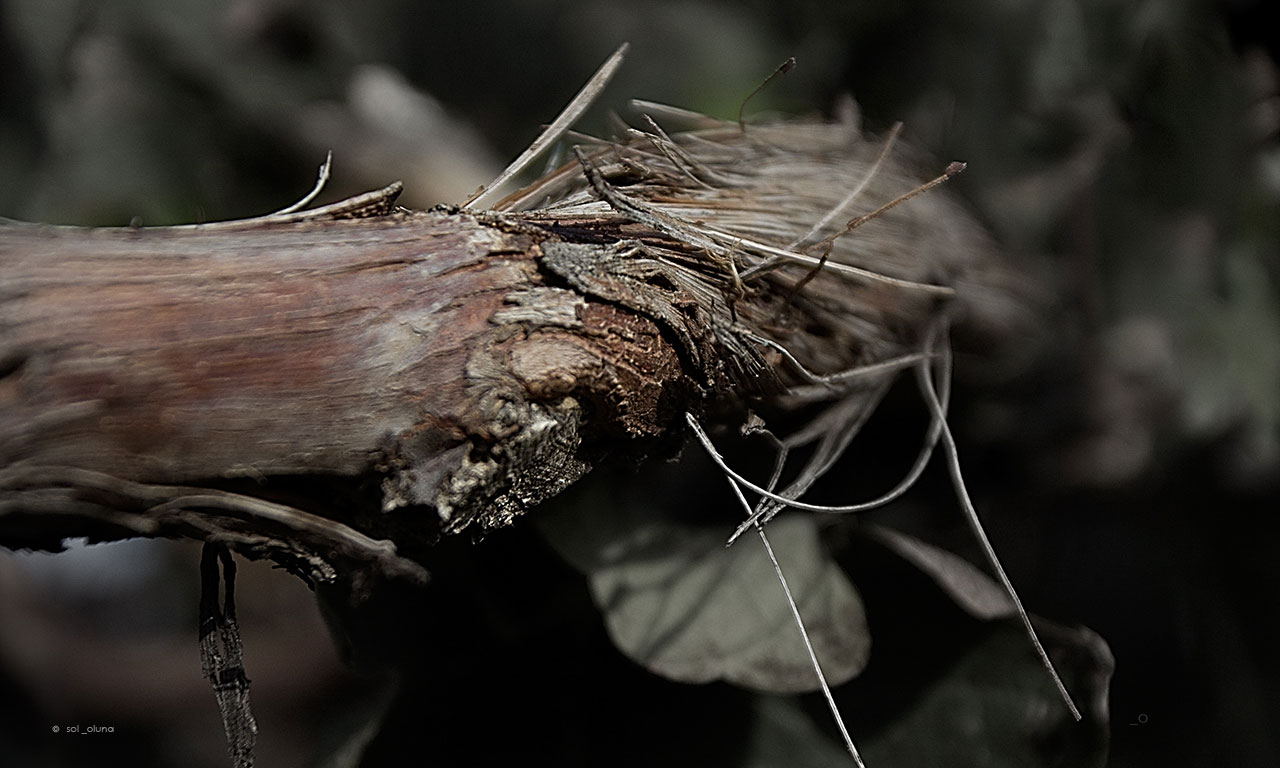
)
(335, 389)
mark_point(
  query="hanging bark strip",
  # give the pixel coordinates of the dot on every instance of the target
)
(222, 654)
(333, 389)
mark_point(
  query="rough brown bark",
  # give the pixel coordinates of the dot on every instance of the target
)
(323, 388)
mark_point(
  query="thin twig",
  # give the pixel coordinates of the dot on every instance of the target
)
(680, 158)
(668, 111)
(789, 501)
(566, 118)
(163, 501)
(842, 423)
(835, 266)
(719, 461)
(836, 211)
(645, 214)
(844, 204)
(321, 180)
(829, 242)
(831, 379)
(782, 69)
(374, 203)
(835, 439)
(925, 381)
(827, 455)
(804, 634)
(952, 169)
(721, 243)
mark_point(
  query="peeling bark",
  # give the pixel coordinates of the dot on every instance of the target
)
(330, 388)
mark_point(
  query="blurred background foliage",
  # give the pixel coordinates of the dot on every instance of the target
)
(1125, 450)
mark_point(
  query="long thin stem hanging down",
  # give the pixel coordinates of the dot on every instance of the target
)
(975, 525)
(795, 612)
(924, 375)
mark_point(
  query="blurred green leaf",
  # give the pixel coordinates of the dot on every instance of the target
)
(680, 603)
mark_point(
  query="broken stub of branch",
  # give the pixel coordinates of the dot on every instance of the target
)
(334, 389)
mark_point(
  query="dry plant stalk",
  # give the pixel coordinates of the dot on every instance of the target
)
(195, 380)
(336, 388)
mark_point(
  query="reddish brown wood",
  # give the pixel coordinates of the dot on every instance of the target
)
(323, 390)
(142, 366)
(166, 355)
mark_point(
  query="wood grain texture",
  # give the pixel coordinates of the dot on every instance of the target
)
(331, 387)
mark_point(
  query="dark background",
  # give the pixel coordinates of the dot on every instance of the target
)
(1124, 453)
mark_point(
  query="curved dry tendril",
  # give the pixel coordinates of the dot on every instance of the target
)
(938, 429)
(841, 377)
(321, 179)
(782, 69)
(710, 448)
(767, 513)
(975, 525)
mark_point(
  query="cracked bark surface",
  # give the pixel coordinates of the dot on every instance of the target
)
(336, 389)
